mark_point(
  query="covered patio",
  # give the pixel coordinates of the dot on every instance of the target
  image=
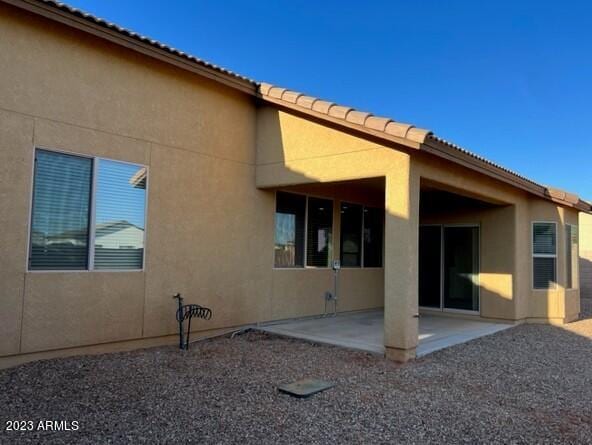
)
(364, 330)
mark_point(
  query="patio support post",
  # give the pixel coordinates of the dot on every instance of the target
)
(401, 262)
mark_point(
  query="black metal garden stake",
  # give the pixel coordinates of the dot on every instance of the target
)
(187, 312)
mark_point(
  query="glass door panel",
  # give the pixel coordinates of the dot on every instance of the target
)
(461, 268)
(430, 257)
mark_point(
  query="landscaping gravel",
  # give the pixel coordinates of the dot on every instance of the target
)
(528, 384)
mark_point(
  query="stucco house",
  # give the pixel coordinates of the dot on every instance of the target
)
(241, 196)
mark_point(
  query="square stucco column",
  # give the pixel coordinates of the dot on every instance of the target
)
(401, 263)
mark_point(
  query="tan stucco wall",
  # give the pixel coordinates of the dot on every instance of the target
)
(66, 91)
(586, 254)
(557, 305)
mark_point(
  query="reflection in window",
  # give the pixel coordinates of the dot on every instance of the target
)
(373, 234)
(289, 230)
(351, 235)
(119, 227)
(319, 232)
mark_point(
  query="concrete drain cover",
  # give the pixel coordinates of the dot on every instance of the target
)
(305, 387)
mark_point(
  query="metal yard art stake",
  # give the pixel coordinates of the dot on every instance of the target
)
(187, 312)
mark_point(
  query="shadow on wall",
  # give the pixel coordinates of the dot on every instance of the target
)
(294, 152)
(586, 276)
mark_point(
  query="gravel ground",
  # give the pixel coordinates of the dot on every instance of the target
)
(528, 384)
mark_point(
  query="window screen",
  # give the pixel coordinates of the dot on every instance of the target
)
(373, 233)
(289, 230)
(572, 256)
(119, 226)
(351, 235)
(60, 213)
(544, 243)
(319, 232)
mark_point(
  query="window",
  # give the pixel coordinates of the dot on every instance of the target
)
(73, 230)
(289, 230)
(61, 212)
(572, 256)
(544, 249)
(319, 232)
(119, 221)
(361, 236)
(373, 232)
(351, 235)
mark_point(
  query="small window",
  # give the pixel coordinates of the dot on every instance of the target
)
(351, 235)
(572, 256)
(289, 230)
(544, 248)
(373, 233)
(319, 232)
(119, 226)
(63, 233)
(61, 212)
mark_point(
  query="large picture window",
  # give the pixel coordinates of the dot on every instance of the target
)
(572, 256)
(87, 213)
(544, 252)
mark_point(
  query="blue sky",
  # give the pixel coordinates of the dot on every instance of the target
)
(510, 80)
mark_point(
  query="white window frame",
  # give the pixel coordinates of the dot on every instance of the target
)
(575, 272)
(92, 214)
(543, 255)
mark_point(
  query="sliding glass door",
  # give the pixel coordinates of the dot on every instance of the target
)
(449, 267)
(461, 268)
(430, 266)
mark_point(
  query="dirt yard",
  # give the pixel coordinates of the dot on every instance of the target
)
(528, 384)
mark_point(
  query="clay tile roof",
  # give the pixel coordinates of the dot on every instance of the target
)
(339, 112)
(377, 123)
(291, 96)
(357, 117)
(322, 106)
(276, 92)
(306, 101)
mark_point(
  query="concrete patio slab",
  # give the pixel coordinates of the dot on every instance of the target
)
(365, 331)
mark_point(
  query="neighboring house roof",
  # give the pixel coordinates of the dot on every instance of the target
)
(345, 117)
(106, 228)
